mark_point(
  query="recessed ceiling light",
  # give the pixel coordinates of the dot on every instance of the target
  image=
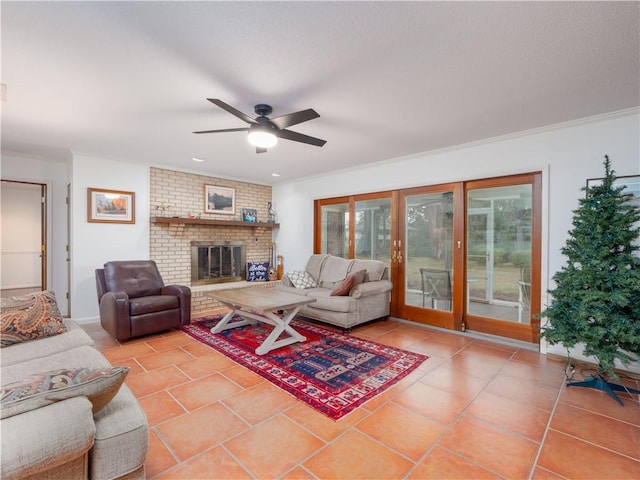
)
(275, 174)
(195, 159)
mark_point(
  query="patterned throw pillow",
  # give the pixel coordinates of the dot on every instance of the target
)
(29, 317)
(42, 389)
(302, 279)
(353, 279)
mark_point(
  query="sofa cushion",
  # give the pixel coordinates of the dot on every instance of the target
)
(375, 269)
(334, 270)
(301, 279)
(29, 317)
(314, 265)
(352, 280)
(43, 347)
(41, 389)
(324, 301)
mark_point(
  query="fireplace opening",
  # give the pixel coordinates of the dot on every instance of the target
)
(217, 262)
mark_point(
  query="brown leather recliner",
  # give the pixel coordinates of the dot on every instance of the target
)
(134, 300)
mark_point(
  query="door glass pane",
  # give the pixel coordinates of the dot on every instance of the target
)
(428, 253)
(499, 252)
(335, 229)
(373, 230)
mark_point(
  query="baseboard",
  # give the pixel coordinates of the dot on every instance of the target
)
(86, 320)
(581, 364)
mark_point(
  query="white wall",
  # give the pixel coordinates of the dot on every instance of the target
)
(55, 175)
(566, 154)
(93, 244)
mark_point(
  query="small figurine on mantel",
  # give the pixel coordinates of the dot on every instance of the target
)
(271, 217)
(273, 275)
(279, 267)
(163, 210)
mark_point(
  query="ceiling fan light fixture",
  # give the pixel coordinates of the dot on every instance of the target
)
(265, 132)
(262, 138)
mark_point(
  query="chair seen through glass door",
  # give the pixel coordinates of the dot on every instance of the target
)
(428, 252)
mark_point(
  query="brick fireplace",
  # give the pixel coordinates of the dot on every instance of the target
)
(180, 194)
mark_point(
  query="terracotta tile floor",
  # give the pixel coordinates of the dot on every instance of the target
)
(475, 409)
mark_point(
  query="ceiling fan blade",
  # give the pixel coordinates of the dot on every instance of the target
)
(260, 150)
(295, 118)
(231, 110)
(224, 130)
(299, 137)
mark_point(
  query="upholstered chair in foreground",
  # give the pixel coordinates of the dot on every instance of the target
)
(134, 300)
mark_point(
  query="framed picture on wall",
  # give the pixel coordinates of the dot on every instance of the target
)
(110, 206)
(631, 182)
(219, 199)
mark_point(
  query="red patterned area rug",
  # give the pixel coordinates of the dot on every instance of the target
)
(330, 371)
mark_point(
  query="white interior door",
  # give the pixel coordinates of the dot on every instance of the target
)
(22, 234)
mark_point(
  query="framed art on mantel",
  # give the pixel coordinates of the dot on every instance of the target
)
(110, 206)
(249, 215)
(219, 199)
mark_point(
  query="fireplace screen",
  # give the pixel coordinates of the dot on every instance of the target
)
(216, 262)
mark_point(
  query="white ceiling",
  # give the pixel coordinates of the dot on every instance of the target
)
(129, 80)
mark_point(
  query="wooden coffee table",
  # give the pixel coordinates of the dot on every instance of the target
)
(258, 305)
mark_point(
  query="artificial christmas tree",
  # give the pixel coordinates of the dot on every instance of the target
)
(596, 301)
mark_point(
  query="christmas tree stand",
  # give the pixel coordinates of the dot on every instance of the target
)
(601, 384)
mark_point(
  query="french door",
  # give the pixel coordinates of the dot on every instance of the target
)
(463, 255)
(503, 255)
(429, 256)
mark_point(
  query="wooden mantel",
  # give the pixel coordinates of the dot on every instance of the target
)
(210, 221)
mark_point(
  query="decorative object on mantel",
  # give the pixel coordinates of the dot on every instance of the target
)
(271, 218)
(596, 302)
(272, 254)
(163, 209)
(332, 372)
(219, 199)
(279, 267)
(249, 215)
(110, 206)
(273, 275)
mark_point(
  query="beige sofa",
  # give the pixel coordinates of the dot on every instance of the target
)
(65, 440)
(369, 300)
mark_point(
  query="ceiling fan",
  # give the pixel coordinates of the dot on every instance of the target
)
(264, 131)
